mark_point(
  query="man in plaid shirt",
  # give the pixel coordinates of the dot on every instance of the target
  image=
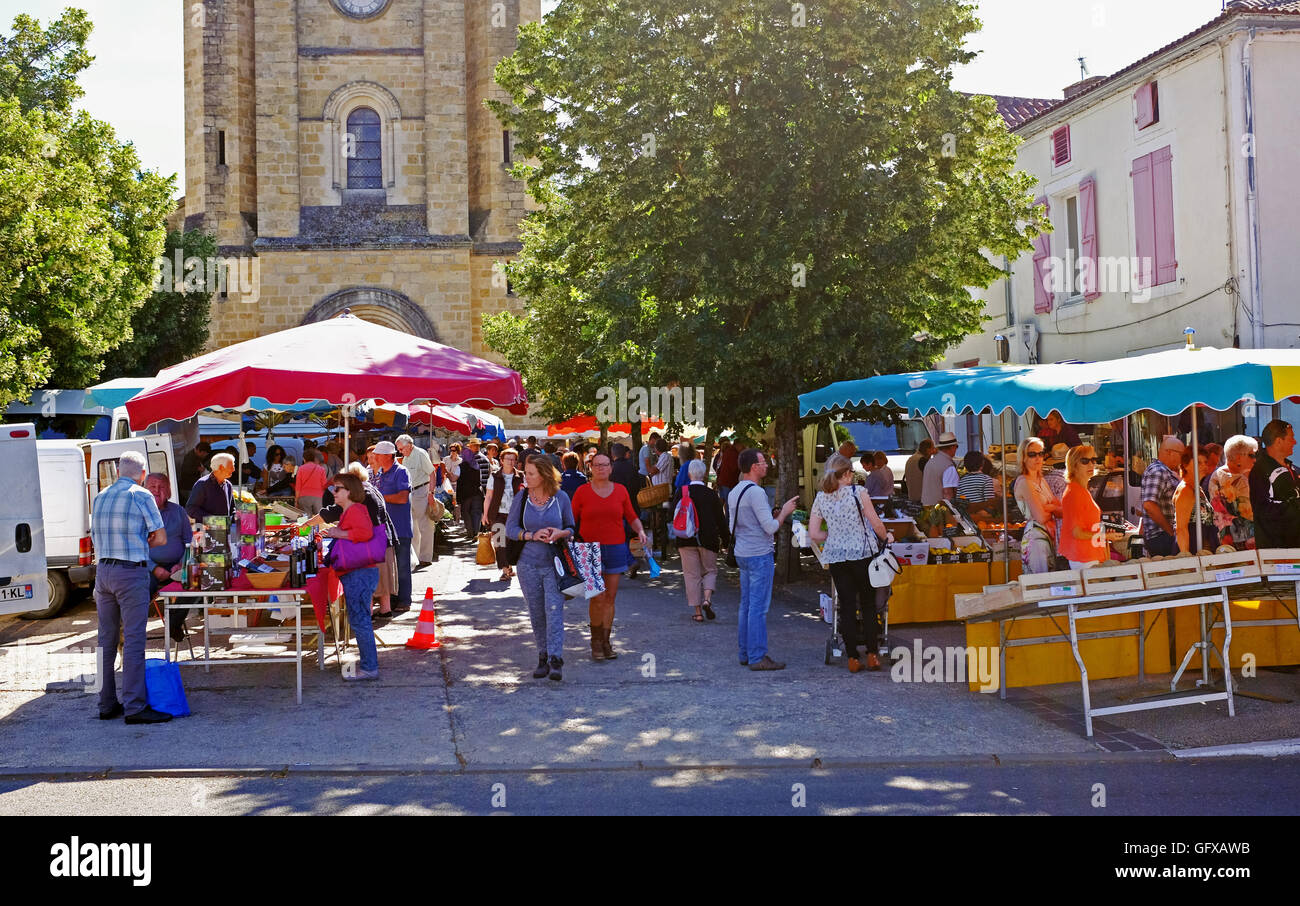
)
(1159, 482)
(124, 524)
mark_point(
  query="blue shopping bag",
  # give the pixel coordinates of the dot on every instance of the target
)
(162, 680)
(651, 562)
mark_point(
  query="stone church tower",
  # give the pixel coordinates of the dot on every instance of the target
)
(344, 146)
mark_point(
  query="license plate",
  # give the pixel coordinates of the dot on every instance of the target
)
(16, 593)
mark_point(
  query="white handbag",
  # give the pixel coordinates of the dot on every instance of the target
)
(883, 568)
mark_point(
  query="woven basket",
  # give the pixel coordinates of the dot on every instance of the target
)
(652, 495)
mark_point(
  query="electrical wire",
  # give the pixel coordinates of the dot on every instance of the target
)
(1227, 287)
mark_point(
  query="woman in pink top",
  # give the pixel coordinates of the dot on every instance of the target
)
(309, 483)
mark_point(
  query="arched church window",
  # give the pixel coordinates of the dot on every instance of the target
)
(364, 168)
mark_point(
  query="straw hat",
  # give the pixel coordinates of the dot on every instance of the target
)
(946, 439)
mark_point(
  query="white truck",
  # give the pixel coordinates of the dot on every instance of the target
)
(71, 474)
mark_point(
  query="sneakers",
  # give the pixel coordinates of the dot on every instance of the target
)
(767, 664)
(543, 667)
(556, 664)
(148, 716)
(360, 674)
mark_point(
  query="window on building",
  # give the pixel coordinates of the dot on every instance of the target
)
(1061, 146)
(365, 171)
(1153, 217)
(505, 146)
(510, 288)
(1070, 254)
(221, 147)
(1147, 101)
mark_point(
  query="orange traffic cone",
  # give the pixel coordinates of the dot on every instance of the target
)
(426, 631)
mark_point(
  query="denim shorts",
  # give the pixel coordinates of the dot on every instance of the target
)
(614, 558)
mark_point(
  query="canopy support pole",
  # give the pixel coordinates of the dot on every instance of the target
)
(243, 457)
(1006, 530)
(347, 446)
(1196, 525)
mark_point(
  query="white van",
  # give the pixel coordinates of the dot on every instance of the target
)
(22, 530)
(72, 473)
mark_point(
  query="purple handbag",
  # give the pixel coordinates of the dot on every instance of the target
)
(347, 554)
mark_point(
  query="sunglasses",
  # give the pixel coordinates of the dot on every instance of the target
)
(1034, 454)
(1087, 461)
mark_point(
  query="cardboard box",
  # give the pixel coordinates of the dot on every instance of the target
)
(911, 554)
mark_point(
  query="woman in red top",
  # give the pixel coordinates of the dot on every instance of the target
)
(600, 508)
(1082, 541)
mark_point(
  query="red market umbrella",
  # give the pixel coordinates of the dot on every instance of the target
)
(341, 361)
(439, 417)
(586, 424)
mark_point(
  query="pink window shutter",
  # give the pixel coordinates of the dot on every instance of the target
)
(1145, 107)
(1162, 190)
(1144, 225)
(1088, 236)
(1042, 272)
(1061, 146)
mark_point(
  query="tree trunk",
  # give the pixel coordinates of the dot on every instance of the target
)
(787, 486)
(636, 438)
(604, 438)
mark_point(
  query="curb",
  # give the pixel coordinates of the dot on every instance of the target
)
(765, 764)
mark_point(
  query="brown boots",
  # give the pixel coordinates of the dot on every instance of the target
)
(601, 649)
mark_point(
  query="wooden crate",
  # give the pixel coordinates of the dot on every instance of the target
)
(1113, 578)
(1172, 571)
(1279, 561)
(1065, 583)
(1236, 565)
(992, 599)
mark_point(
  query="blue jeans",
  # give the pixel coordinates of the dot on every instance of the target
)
(1161, 544)
(755, 598)
(358, 587)
(403, 551)
(545, 601)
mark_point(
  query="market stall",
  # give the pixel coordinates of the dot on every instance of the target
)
(334, 363)
(1168, 383)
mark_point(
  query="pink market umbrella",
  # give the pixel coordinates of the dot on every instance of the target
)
(341, 361)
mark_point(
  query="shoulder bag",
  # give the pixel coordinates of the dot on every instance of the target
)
(735, 515)
(882, 565)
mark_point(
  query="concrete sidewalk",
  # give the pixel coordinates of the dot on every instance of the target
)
(675, 696)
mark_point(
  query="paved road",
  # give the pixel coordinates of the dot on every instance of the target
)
(1123, 785)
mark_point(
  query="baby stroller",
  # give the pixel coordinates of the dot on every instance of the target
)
(835, 644)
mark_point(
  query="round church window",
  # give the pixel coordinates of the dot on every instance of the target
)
(361, 9)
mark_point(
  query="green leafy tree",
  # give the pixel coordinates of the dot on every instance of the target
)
(171, 326)
(791, 194)
(80, 223)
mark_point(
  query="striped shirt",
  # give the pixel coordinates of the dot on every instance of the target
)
(121, 521)
(975, 487)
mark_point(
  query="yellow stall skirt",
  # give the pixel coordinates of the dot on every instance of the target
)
(1041, 665)
(1271, 646)
(925, 594)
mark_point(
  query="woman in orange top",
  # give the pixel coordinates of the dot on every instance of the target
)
(1082, 541)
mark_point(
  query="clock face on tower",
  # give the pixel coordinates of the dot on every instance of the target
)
(360, 9)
